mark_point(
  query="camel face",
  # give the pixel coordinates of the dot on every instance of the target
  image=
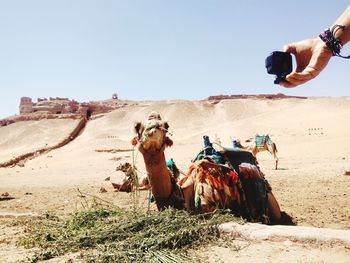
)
(152, 134)
(152, 138)
(124, 167)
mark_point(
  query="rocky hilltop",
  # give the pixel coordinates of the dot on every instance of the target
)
(60, 108)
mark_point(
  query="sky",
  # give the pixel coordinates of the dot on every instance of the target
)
(156, 49)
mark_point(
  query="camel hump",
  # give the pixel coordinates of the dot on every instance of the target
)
(237, 156)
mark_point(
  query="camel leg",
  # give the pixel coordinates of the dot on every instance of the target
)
(188, 192)
(272, 149)
(125, 187)
(144, 187)
(144, 183)
(274, 208)
(276, 158)
(276, 163)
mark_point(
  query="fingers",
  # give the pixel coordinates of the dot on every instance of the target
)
(297, 78)
(292, 79)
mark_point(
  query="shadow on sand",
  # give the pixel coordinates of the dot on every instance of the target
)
(286, 220)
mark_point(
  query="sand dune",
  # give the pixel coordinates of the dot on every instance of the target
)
(23, 137)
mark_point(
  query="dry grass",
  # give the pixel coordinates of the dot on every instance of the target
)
(102, 233)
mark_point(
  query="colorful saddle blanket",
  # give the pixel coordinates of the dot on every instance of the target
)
(261, 140)
(243, 189)
(229, 179)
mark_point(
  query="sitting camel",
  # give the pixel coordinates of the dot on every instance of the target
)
(207, 186)
(130, 177)
(260, 144)
(131, 180)
(151, 141)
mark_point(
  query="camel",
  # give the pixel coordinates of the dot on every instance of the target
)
(207, 186)
(130, 177)
(142, 182)
(151, 141)
(260, 144)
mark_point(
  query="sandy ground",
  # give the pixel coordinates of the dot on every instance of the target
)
(312, 138)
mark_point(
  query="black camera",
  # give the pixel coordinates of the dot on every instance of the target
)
(280, 64)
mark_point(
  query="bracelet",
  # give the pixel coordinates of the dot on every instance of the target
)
(331, 42)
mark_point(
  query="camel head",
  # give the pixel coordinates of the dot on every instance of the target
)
(152, 135)
(124, 167)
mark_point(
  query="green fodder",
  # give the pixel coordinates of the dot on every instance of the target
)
(103, 234)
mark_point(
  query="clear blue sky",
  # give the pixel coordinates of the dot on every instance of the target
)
(156, 49)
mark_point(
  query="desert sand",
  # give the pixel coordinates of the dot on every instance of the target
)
(312, 137)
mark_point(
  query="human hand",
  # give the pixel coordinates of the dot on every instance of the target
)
(312, 56)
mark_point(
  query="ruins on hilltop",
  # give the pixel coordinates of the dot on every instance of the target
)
(60, 108)
(59, 105)
(52, 105)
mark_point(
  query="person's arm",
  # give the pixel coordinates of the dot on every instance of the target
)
(312, 55)
(344, 19)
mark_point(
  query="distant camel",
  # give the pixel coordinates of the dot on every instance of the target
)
(143, 182)
(130, 176)
(260, 144)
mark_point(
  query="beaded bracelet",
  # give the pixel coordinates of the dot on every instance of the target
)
(331, 42)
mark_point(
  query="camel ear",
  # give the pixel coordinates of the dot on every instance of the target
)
(166, 125)
(138, 127)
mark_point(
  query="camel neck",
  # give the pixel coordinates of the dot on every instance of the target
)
(158, 174)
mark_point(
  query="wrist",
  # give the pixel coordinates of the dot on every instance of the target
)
(330, 40)
(321, 45)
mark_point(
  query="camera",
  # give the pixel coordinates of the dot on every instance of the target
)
(280, 64)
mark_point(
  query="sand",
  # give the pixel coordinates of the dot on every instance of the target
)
(312, 137)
